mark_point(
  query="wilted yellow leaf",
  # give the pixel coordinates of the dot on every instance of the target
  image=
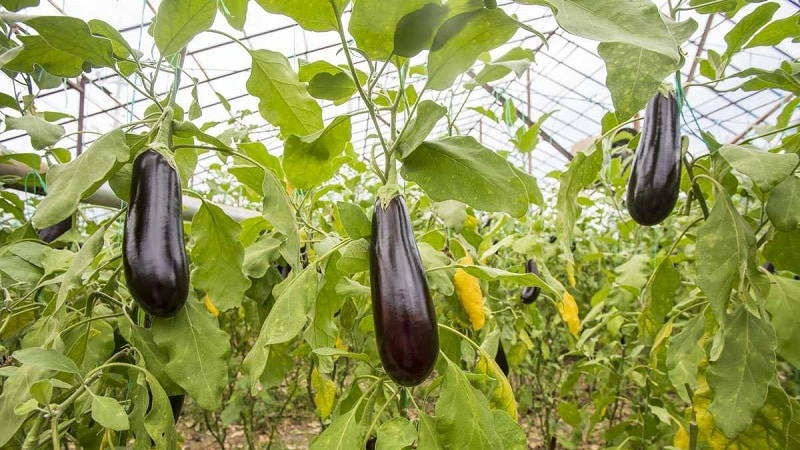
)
(469, 293)
(569, 313)
(211, 307)
(324, 393)
(502, 395)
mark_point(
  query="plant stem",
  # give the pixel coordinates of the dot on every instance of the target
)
(698, 193)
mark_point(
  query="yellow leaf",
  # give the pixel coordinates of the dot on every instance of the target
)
(289, 188)
(571, 274)
(210, 307)
(324, 393)
(340, 344)
(569, 313)
(468, 289)
(681, 438)
(502, 396)
(470, 221)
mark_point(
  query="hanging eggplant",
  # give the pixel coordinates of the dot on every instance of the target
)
(403, 312)
(53, 232)
(531, 293)
(656, 176)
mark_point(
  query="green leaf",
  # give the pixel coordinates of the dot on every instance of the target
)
(782, 250)
(109, 413)
(726, 249)
(42, 133)
(258, 256)
(428, 436)
(764, 168)
(16, 390)
(570, 414)
(346, 432)
(198, 353)
(528, 140)
(460, 168)
(311, 160)
(635, 22)
(179, 21)
(747, 26)
(42, 391)
(396, 433)
(373, 24)
(516, 60)
(415, 31)
(235, 12)
(582, 171)
(283, 99)
(16, 5)
(776, 32)
(333, 87)
(217, 256)
(45, 358)
(121, 48)
(686, 350)
(463, 417)
(783, 205)
(783, 305)
(740, 376)
(72, 35)
(356, 224)
(277, 210)
(461, 39)
(72, 278)
(511, 434)
(419, 127)
(658, 300)
(312, 15)
(355, 257)
(633, 75)
(35, 51)
(294, 297)
(69, 183)
(531, 186)
(155, 359)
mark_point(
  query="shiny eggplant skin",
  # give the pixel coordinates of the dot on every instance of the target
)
(531, 293)
(405, 319)
(153, 251)
(500, 358)
(176, 403)
(53, 232)
(656, 176)
(769, 267)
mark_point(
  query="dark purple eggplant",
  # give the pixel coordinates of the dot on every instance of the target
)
(531, 293)
(656, 176)
(402, 308)
(153, 251)
(53, 232)
(500, 358)
(769, 267)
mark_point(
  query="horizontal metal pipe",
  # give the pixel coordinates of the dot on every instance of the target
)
(104, 196)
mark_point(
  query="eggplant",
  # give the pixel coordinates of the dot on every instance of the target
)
(656, 176)
(531, 293)
(405, 319)
(769, 267)
(53, 232)
(500, 358)
(153, 251)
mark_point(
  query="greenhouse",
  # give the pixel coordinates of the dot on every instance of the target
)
(422, 224)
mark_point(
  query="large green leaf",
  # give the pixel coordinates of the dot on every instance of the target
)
(782, 250)
(460, 168)
(582, 171)
(313, 15)
(764, 168)
(294, 297)
(283, 99)
(278, 212)
(35, 51)
(396, 433)
(217, 256)
(45, 358)
(461, 39)
(109, 413)
(373, 24)
(783, 305)
(311, 160)
(68, 183)
(726, 250)
(198, 352)
(346, 432)
(658, 299)
(428, 114)
(783, 205)
(776, 32)
(354, 221)
(16, 390)
(740, 376)
(415, 31)
(16, 5)
(747, 26)
(685, 351)
(235, 12)
(463, 417)
(179, 21)
(42, 133)
(428, 436)
(516, 60)
(72, 35)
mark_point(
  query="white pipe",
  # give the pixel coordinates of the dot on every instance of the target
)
(104, 196)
